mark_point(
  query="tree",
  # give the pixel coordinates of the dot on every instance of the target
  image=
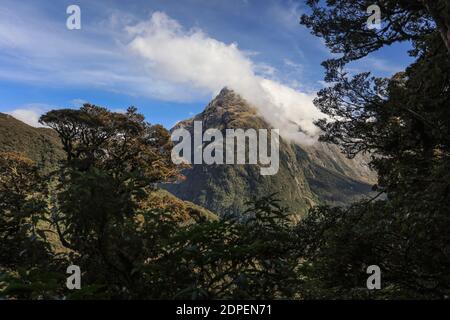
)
(343, 26)
(404, 123)
(28, 266)
(113, 161)
(231, 258)
(21, 199)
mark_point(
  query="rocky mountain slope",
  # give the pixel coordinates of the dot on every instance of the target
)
(307, 176)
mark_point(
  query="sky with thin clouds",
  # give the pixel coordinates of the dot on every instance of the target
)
(168, 58)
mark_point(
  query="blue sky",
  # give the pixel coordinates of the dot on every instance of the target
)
(166, 57)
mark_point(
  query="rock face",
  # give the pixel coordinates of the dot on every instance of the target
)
(307, 175)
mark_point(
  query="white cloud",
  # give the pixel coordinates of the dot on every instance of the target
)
(292, 111)
(29, 114)
(297, 67)
(382, 65)
(156, 58)
(37, 49)
(265, 70)
(78, 103)
(379, 66)
(193, 59)
(190, 57)
(287, 14)
(119, 110)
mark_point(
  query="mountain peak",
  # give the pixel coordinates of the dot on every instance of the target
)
(226, 92)
(228, 96)
(228, 100)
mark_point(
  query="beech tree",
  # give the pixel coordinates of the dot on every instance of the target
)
(404, 123)
(21, 201)
(343, 26)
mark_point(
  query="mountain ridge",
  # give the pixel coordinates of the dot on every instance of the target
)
(308, 175)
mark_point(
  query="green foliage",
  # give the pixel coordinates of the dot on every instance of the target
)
(21, 203)
(404, 123)
(228, 259)
(343, 26)
(33, 283)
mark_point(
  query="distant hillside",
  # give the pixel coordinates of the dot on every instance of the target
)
(308, 175)
(42, 145)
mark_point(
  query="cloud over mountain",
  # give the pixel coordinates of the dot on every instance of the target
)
(156, 58)
(190, 57)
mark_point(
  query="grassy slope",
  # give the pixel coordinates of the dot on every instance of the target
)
(39, 144)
